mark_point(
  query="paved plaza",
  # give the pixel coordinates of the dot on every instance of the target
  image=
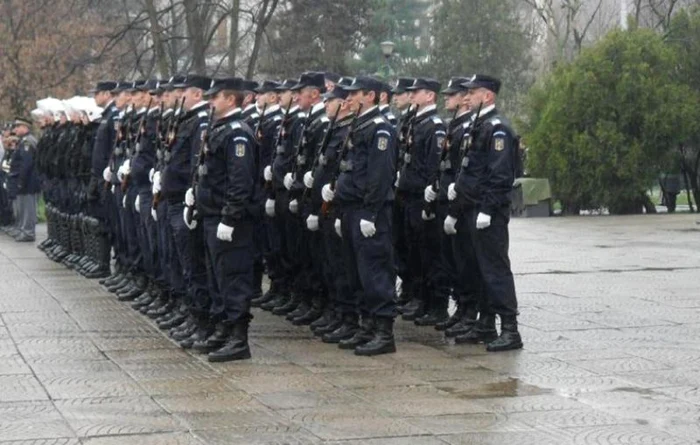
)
(610, 317)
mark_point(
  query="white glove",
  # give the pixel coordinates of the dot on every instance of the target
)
(156, 182)
(429, 194)
(338, 227)
(308, 180)
(451, 192)
(267, 173)
(193, 224)
(427, 217)
(107, 174)
(154, 214)
(294, 206)
(270, 208)
(367, 228)
(127, 167)
(124, 201)
(224, 232)
(398, 176)
(189, 197)
(150, 175)
(450, 225)
(483, 220)
(288, 181)
(137, 207)
(327, 193)
(312, 223)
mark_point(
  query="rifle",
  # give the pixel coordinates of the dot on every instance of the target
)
(429, 207)
(137, 143)
(278, 139)
(326, 206)
(258, 127)
(189, 211)
(118, 139)
(324, 146)
(170, 138)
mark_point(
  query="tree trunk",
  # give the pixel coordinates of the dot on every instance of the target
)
(157, 33)
(267, 9)
(233, 36)
(195, 31)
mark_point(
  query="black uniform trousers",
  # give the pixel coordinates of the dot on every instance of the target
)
(422, 237)
(288, 228)
(148, 234)
(370, 263)
(187, 260)
(464, 244)
(164, 235)
(335, 273)
(491, 248)
(230, 271)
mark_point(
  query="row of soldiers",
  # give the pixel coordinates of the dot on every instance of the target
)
(200, 186)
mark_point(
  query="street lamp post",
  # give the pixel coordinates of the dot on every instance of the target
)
(387, 47)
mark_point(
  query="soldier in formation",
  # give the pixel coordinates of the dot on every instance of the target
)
(180, 194)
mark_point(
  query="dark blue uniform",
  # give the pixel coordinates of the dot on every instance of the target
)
(310, 251)
(484, 185)
(420, 164)
(364, 191)
(187, 266)
(142, 162)
(334, 271)
(286, 224)
(226, 194)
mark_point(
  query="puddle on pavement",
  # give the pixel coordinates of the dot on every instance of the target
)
(506, 388)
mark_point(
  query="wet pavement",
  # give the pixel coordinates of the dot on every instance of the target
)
(610, 315)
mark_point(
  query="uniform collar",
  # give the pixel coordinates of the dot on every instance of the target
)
(272, 109)
(427, 110)
(198, 105)
(317, 108)
(369, 110)
(484, 111)
(383, 107)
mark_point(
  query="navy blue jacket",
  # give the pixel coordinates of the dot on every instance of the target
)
(448, 168)
(423, 154)
(23, 178)
(311, 139)
(284, 157)
(228, 176)
(178, 171)
(488, 167)
(145, 157)
(367, 172)
(104, 141)
(327, 165)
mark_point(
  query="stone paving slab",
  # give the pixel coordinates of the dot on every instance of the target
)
(610, 315)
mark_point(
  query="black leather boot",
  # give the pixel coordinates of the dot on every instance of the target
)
(346, 330)
(452, 320)
(509, 338)
(278, 300)
(383, 340)
(266, 297)
(215, 341)
(363, 335)
(236, 347)
(412, 310)
(204, 329)
(463, 326)
(300, 310)
(288, 307)
(483, 332)
(334, 322)
(437, 314)
(312, 314)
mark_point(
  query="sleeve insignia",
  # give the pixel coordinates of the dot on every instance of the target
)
(440, 141)
(499, 144)
(240, 150)
(383, 143)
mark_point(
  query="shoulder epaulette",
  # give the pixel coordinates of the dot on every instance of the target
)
(495, 121)
(235, 125)
(325, 119)
(203, 114)
(437, 119)
(379, 120)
